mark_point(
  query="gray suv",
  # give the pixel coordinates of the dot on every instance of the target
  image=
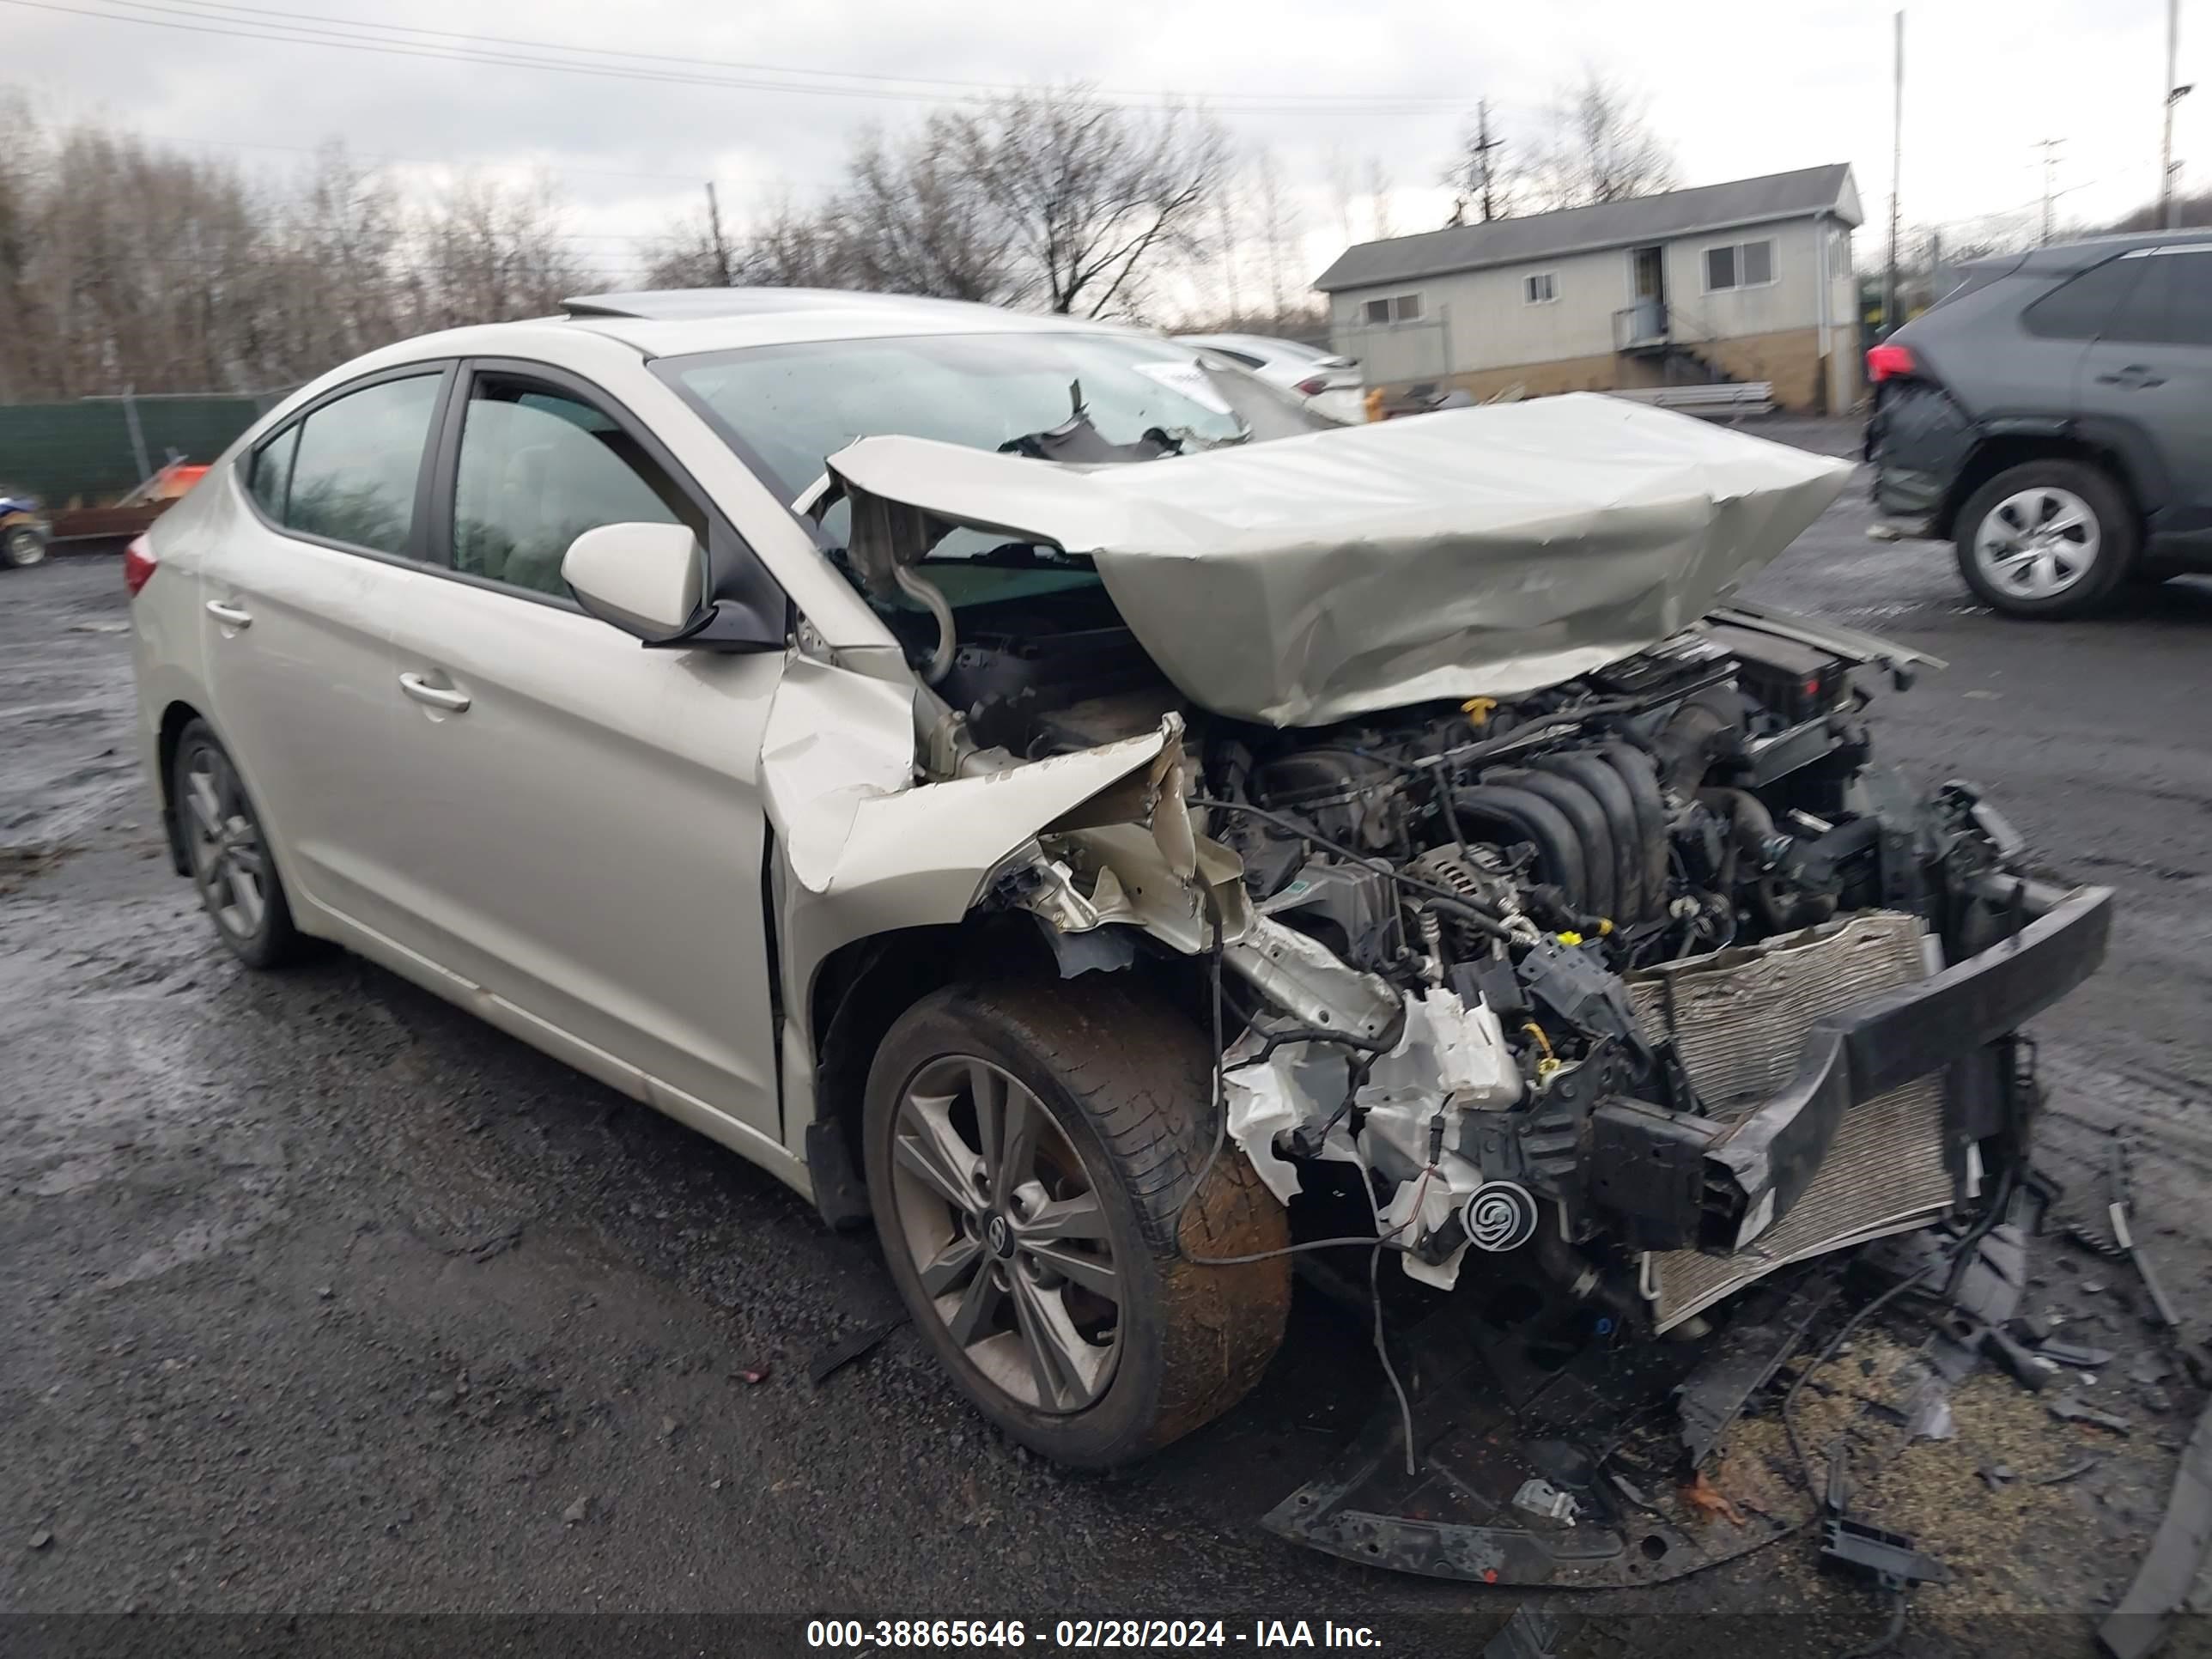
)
(2051, 416)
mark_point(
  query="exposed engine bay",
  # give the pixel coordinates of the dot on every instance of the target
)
(1610, 915)
(1551, 900)
(1546, 922)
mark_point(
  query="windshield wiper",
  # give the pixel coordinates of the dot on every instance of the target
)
(1016, 556)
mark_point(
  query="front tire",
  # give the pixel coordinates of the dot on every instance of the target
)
(2047, 539)
(20, 546)
(1029, 1151)
(228, 853)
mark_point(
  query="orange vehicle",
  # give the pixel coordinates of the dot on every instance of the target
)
(132, 515)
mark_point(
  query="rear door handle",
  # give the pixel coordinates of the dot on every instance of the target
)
(229, 615)
(2134, 377)
(438, 696)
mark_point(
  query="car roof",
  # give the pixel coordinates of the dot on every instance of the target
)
(682, 321)
(2063, 259)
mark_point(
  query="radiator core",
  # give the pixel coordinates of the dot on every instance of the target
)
(1737, 1018)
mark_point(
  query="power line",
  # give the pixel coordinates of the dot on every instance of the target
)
(921, 85)
(562, 171)
(203, 22)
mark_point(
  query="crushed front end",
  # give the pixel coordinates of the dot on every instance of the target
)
(1689, 988)
(1560, 933)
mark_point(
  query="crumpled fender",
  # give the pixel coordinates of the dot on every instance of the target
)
(864, 848)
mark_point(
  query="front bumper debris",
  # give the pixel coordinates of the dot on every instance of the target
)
(1571, 1397)
(1499, 1401)
(1742, 1176)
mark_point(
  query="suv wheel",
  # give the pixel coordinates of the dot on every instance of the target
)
(231, 864)
(2047, 538)
(1030, 1154)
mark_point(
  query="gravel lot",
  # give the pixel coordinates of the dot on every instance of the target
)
(322, 1296)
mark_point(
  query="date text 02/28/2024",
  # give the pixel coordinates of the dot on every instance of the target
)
(1084, 1634)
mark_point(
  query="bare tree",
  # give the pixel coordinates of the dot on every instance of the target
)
(2191, 209)
(1379, 186)
(331, 285)
(1340, 192)
(124, 266)
(1278, 227)
(790, 247)
(1598, 146)
(914, 219)
(686, 255)
(1228, 214)
(1091, 196)
(489, 253)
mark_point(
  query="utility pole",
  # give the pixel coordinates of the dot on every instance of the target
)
(2169, 205)
(714, 229)
(1479, 179)
(2050, 149)
(1484, 144)
(1896, 168)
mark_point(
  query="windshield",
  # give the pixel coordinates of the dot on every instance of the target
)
(791, 407)
(788, 408)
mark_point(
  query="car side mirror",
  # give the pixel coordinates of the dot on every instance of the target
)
(649, 580)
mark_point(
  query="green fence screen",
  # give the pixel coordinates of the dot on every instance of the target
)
(84, 454)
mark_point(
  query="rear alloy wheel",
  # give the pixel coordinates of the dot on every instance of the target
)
(2049, 539)
(1030, 1153)
(229, 853)
(21, 545)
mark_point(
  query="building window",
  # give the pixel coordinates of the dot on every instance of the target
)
(1739, 265)
(1398, 309)
(1540, 289)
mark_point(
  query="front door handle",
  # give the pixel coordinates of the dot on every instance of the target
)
(2134, 377)
(229, 615)
(438, 696)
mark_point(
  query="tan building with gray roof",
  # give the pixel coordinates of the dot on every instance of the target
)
(1748, 281)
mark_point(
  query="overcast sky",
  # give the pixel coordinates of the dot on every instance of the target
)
(1739, 87)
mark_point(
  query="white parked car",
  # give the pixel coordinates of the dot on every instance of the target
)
(1330, 383)
(1043, 791)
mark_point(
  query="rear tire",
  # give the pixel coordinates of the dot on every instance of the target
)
(228, 854)
(2047, 539)
(1140, 1346)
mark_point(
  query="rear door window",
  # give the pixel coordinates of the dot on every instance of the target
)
(2080, 308)
(2171, 303)
(2189, 317)
(356, 464)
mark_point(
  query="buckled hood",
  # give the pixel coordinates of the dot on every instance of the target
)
(1489, 551)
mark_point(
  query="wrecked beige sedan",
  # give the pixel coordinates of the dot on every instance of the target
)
(1105, 823)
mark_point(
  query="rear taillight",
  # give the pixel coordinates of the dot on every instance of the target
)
(1888, 361)
(1313, 385)
(138, 563)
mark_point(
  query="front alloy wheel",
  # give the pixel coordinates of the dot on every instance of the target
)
(1003, 1225)
(1033, 1158)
